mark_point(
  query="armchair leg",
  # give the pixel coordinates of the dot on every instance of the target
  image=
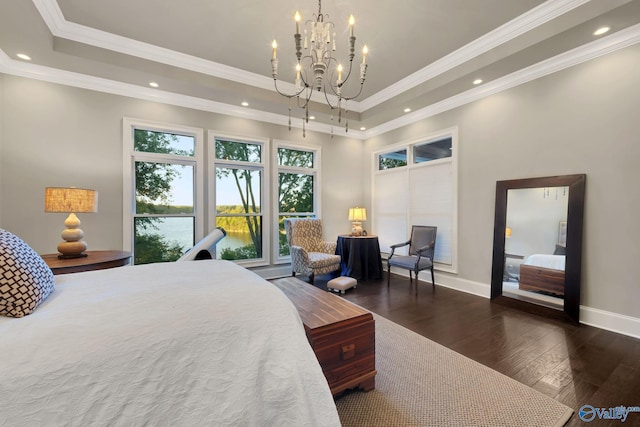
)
(433, 280)
(293, 274)
(311, 278)
(388, 275)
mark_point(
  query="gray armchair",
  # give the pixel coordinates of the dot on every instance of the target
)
(310, 255)
(422, 246)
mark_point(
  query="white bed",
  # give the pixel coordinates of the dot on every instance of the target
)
(543, 273)
(176, 344)
(554, 262)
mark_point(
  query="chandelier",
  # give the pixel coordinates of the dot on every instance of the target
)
(317, 69)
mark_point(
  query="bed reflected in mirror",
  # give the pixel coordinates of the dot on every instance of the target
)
(535, 244)
(538, 244)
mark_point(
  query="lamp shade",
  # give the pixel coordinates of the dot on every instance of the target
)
(357, 214)
(70, 199)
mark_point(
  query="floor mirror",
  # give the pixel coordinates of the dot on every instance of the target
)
(537, 244)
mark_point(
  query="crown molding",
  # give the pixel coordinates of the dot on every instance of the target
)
(509, 31)
(616, 41)
(603, 46)
(99, 84)
(60, 27)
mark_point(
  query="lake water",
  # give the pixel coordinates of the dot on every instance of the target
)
(180, 230)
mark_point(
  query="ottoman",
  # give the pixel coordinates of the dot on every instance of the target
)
(341, 284)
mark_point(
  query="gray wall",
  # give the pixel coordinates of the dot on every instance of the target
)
(55, 135)
(580, 120)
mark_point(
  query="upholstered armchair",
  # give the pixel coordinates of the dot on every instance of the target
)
(310, 255)
(422, 245)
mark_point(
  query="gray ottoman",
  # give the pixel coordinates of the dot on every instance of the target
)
(341, 284)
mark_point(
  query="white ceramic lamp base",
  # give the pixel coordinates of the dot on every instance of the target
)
(73, 245)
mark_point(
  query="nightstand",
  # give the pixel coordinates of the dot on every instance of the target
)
(360, 257)
(95, 260)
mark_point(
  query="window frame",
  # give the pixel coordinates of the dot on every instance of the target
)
(406, 172)
(263, 165)
(131, 156)
(315, 171)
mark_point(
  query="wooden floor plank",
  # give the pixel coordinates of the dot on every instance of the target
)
(574, 364)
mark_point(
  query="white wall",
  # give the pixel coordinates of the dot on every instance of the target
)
(580, 120)
(534, 219)
(55, 135)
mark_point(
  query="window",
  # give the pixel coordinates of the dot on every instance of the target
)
(433, 150)
(239, 197)
(423, 193)
(394, 159)
(163, 214)
(297, 188)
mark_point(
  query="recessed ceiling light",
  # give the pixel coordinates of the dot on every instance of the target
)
(245, 104)
(24, 56)
(601, 31)
(407, 110)
(312, 117)
(477, 81)
(363, 128)
(153, 84)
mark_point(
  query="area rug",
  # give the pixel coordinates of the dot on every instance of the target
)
(422, 383)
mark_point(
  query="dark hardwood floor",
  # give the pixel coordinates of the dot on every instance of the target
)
(575, 364)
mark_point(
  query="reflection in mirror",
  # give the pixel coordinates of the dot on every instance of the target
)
(535, 244)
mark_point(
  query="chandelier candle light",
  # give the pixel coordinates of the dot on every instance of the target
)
(312, 67)
(71, 200)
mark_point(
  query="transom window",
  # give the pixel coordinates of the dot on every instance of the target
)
(392, 160)
(433, 150)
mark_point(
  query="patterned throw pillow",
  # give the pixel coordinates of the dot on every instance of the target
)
(25, 279)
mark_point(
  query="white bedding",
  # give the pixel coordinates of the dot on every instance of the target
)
(554, 262)
(176, 344)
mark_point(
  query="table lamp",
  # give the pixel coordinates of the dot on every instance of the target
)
(356, 216)
(71, 200)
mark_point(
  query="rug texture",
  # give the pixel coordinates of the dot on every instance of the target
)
(422, 383)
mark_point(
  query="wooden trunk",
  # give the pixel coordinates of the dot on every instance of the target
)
(534, 278)
(341, 334)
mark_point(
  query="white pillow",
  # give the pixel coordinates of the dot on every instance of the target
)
(25, 279)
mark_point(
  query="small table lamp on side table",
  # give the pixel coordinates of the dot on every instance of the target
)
(71, 200)
(356, 216)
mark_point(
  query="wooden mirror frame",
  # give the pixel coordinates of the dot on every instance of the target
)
(573, 262)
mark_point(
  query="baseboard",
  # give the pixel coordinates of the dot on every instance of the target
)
(610, 321)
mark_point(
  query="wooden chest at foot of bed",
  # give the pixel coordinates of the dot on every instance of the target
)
(341, 334)
(540, 279)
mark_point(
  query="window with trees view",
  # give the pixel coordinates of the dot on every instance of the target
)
(297, 188)
(162, 165)
(239, 197)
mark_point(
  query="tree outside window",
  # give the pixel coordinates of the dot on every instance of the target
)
(239, 182)
(164, 217)
(296, 184)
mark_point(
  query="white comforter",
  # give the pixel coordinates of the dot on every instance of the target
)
(554, 262)
(201, 343)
